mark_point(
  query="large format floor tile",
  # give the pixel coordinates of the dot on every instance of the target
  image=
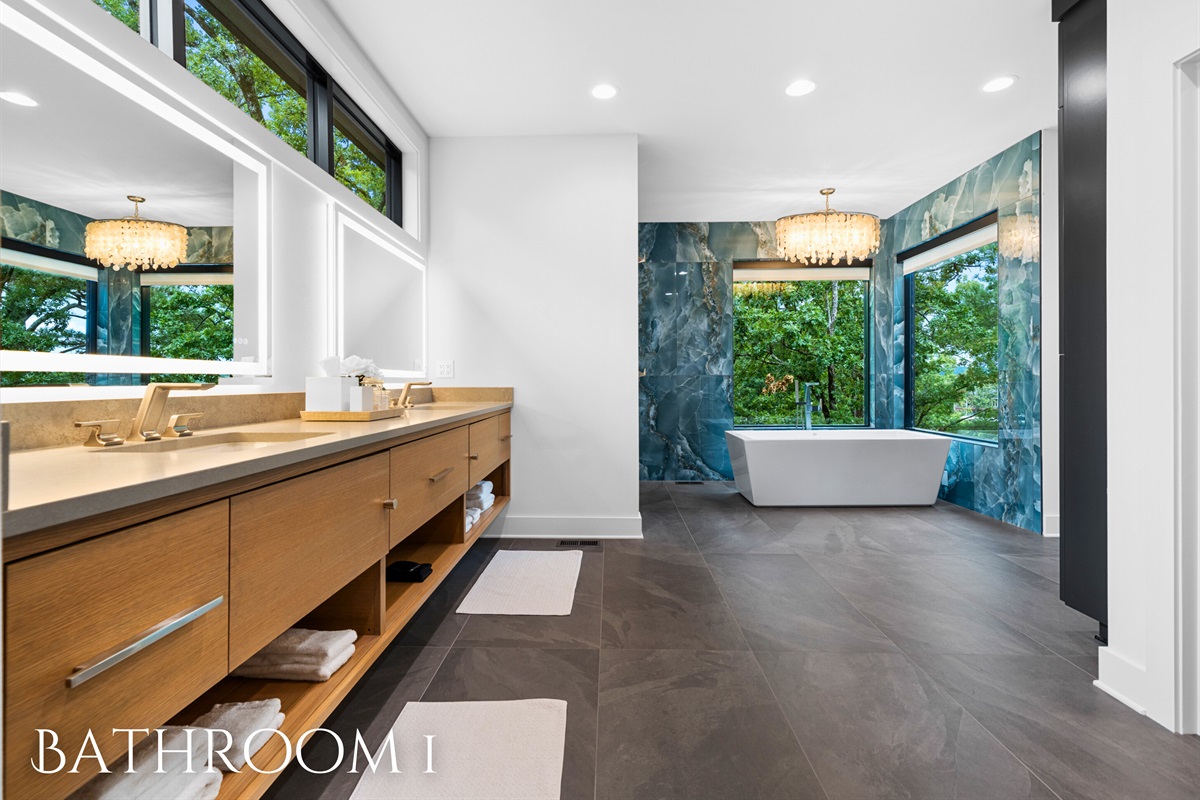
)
(816, 530)
(512, 673)
(1080, 741)
(875, 726)
(436, 623)
(665, 602)
(781, 603)
(918, 614)
(694, 725)
(721, 521)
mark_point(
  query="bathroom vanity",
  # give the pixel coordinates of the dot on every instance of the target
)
(136, 581)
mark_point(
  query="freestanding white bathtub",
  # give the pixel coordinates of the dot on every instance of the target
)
(838, 467)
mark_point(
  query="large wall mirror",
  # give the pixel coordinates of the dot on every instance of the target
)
(78, 139)
(379, 299)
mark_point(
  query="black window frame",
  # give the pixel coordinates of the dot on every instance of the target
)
(251, 21)
(868, 383)
(991, 218)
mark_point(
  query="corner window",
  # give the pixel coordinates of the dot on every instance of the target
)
(359, 155)
(952, 336)
(788, 333)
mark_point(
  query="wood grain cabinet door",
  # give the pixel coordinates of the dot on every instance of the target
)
(427, 475)
(129, 619)
(490, 445)
(293, 544)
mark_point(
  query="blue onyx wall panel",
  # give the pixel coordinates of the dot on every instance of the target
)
(1003, 480)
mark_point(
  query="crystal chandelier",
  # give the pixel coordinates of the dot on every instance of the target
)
(135, 243)
(827, 237)
(1020, 237)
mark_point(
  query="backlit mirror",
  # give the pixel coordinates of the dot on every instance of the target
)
(77, 140)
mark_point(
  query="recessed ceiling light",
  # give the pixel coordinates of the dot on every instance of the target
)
(604, 91)
(16, 98)
(1000, 84)
(800, 88)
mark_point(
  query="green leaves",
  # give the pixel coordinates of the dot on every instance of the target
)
(42, 313)
(192, 322)
(956, 317)
(813, 330)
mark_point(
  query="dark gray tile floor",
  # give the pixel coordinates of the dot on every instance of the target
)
(791, 653)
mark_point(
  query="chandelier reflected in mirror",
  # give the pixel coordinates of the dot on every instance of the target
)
(134, 242)
(827, 237)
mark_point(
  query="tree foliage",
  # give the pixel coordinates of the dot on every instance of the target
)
(812, 331)
(127, 11)
(956, 315)
(41, 313)
(191, 322)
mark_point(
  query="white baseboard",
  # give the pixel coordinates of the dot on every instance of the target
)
(1050, 525)
(1122, 698)
(508, 526)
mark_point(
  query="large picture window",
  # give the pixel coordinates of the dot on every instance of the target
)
(953, 336)
(790, 333)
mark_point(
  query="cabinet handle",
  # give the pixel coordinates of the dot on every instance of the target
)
(505, 438)
(391, 503)
(110, 659)
(440, 475)
(473, 456)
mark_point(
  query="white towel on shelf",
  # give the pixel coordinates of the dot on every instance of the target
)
(303, 646)
(241, 720)
(473, 515)
(483, 487)
(145, 782)
(315, 673)
(482, 503)
(205, 786)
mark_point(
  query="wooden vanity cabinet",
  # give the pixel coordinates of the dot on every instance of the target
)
(490, 445)
(72, 607)
(293, 544)
(426, 476)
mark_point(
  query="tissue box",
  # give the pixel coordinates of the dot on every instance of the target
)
(337, 394)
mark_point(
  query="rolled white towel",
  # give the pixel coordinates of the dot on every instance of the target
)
(483, 487)
(241, 720)
(145, 782)
(205, 786)
(297, 672)
(483, 502)
(314, 646)
(474, 514)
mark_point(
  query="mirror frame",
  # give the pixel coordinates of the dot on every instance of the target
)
(256, 356)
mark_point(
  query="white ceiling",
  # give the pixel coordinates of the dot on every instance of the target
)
(85, 146)
(897, 112)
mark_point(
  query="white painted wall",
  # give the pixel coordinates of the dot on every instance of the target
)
(1051, 351)
(533, 284)
(1142, 664)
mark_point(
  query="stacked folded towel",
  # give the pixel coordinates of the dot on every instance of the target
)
(240, 720)
(473, 515)
(145, 782)
(480, 496)
(300, 655)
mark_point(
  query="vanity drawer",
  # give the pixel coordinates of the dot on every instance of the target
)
(293, 544)
(490, 445)
(426, 476)
(102, 604)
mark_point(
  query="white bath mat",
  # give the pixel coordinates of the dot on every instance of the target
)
(526, 582)
(510, 750)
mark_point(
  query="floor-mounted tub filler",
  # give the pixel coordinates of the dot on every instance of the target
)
(838, 467)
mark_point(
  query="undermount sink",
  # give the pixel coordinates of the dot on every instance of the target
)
(232, 440)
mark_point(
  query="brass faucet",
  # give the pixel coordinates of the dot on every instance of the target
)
(404, 401)
(147, 424)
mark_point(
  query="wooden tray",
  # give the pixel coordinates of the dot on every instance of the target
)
(350, 416)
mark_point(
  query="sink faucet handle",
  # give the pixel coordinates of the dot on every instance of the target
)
(178, 424)
(103, 432)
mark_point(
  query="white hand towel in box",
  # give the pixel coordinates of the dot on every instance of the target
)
(483, 502)
(145, 781)
(483, 487)
(240, 720)
(297, 672)
(308, 646)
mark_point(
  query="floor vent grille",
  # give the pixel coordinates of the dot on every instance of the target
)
(579, 543)
(688, 483)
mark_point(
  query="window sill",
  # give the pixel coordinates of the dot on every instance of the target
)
(958, 437)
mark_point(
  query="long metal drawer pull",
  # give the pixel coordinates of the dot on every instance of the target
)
(140, 642)
(440, 475)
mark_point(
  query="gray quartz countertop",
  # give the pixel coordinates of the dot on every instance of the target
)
(64, 484)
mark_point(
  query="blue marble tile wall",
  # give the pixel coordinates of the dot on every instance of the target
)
(1003, 481)
(685, 343)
